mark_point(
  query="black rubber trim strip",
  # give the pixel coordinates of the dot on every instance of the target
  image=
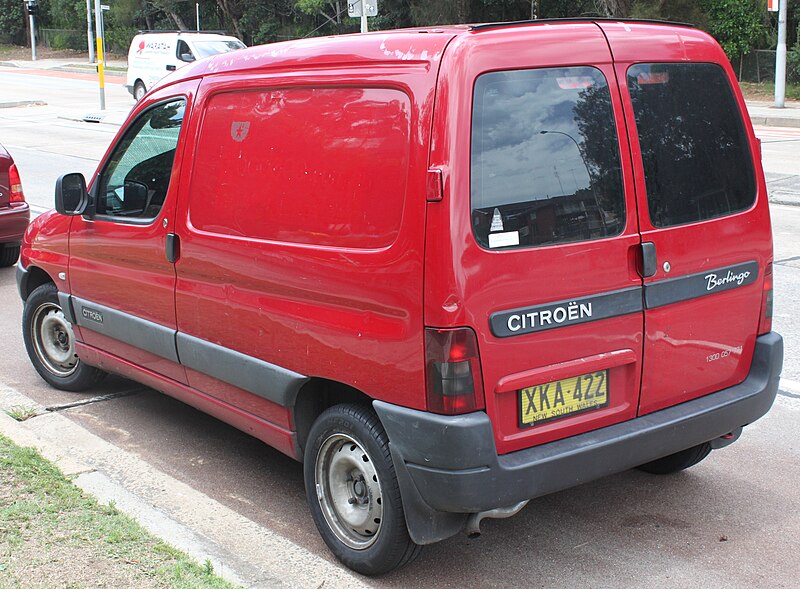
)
(572, 312)
(685, 288)
(261, 378)
(141, 333)
(21, 274)
(66, 306)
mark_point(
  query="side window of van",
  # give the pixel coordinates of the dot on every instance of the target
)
(545, 158)
(320, 166)
(134, 184)
(697, 164)
(183, 52)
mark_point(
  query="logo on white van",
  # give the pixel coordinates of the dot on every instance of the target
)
(239, 130)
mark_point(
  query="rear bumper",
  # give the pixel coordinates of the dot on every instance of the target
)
(449, 465)
(13, 222)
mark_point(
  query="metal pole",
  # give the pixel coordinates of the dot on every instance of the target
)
(363, 16)
(89, 30)
(197, 11)
(780, 57)
(101, 58)
(33, 38)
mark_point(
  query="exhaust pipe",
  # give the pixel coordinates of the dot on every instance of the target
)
(473, 525)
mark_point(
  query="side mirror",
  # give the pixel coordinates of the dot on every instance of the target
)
(187, 57)
(71, 195)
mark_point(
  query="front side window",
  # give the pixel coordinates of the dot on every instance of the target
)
(545, 164)
(183, 52)
(135, 182)
(695, 154)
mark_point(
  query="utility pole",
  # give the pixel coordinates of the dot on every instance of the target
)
(780, 57)
(89, 39)
(32, 9)
(197, 12)
(101, 58)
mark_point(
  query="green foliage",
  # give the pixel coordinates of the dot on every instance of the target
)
(12, 21)
(793, 65)
(737, 24)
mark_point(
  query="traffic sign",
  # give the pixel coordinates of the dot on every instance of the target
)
(354, 7)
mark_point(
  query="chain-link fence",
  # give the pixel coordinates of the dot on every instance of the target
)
(62, 39)
(759, 66)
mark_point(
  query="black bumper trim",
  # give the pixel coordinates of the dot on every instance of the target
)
(452, 464)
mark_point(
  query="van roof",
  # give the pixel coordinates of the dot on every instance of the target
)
(421, 45)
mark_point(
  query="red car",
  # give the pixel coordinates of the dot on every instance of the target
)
(14, 211)
(449, 270)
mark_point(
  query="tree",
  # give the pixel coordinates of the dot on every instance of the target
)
(736, 24)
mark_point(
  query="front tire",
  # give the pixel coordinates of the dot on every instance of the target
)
(50, 343)
(352, 491)
(139, 90)
(678, 461)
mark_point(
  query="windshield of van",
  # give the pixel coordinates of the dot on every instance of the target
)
(545, 158)
(206, 48)
(695, 154)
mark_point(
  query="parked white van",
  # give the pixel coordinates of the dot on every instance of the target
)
(153, 55)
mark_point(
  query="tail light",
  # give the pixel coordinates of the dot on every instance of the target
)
(16, 185)
(453, 371)
(765, 323)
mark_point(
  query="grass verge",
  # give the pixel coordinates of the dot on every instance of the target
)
(766, 91)
(52, 535)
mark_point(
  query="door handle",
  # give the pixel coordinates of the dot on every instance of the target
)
(649, 259)
(173, 247)
(171, 68)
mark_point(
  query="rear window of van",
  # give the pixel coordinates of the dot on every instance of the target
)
(545, 164)
(697, 164)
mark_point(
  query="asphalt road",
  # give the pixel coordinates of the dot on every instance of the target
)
(732, 521)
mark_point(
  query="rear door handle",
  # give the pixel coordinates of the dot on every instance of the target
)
(173, 247)
(649, 259)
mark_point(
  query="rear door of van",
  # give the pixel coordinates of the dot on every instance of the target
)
(536, 242)
(703, 210)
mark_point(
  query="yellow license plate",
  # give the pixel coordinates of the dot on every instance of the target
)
(560, 398)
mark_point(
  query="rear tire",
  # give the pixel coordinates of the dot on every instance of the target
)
(8, 255)
(50, 343)
(678, 461)
(352, 491)
(139, 90)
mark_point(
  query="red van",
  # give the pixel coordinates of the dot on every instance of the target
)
(448, 269)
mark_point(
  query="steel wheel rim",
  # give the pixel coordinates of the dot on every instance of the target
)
(349, 491)
(53, 340)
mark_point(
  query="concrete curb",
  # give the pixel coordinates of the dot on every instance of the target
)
(775, 121)
(89, 70)
(19, 103)
(241, 551)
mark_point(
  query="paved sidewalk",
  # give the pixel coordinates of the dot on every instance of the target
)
(240, 550)
(765, 113)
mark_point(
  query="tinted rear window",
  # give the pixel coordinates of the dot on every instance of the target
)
(545, 158)
(697, 163)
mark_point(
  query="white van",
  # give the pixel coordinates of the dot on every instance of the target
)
(153, 55)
